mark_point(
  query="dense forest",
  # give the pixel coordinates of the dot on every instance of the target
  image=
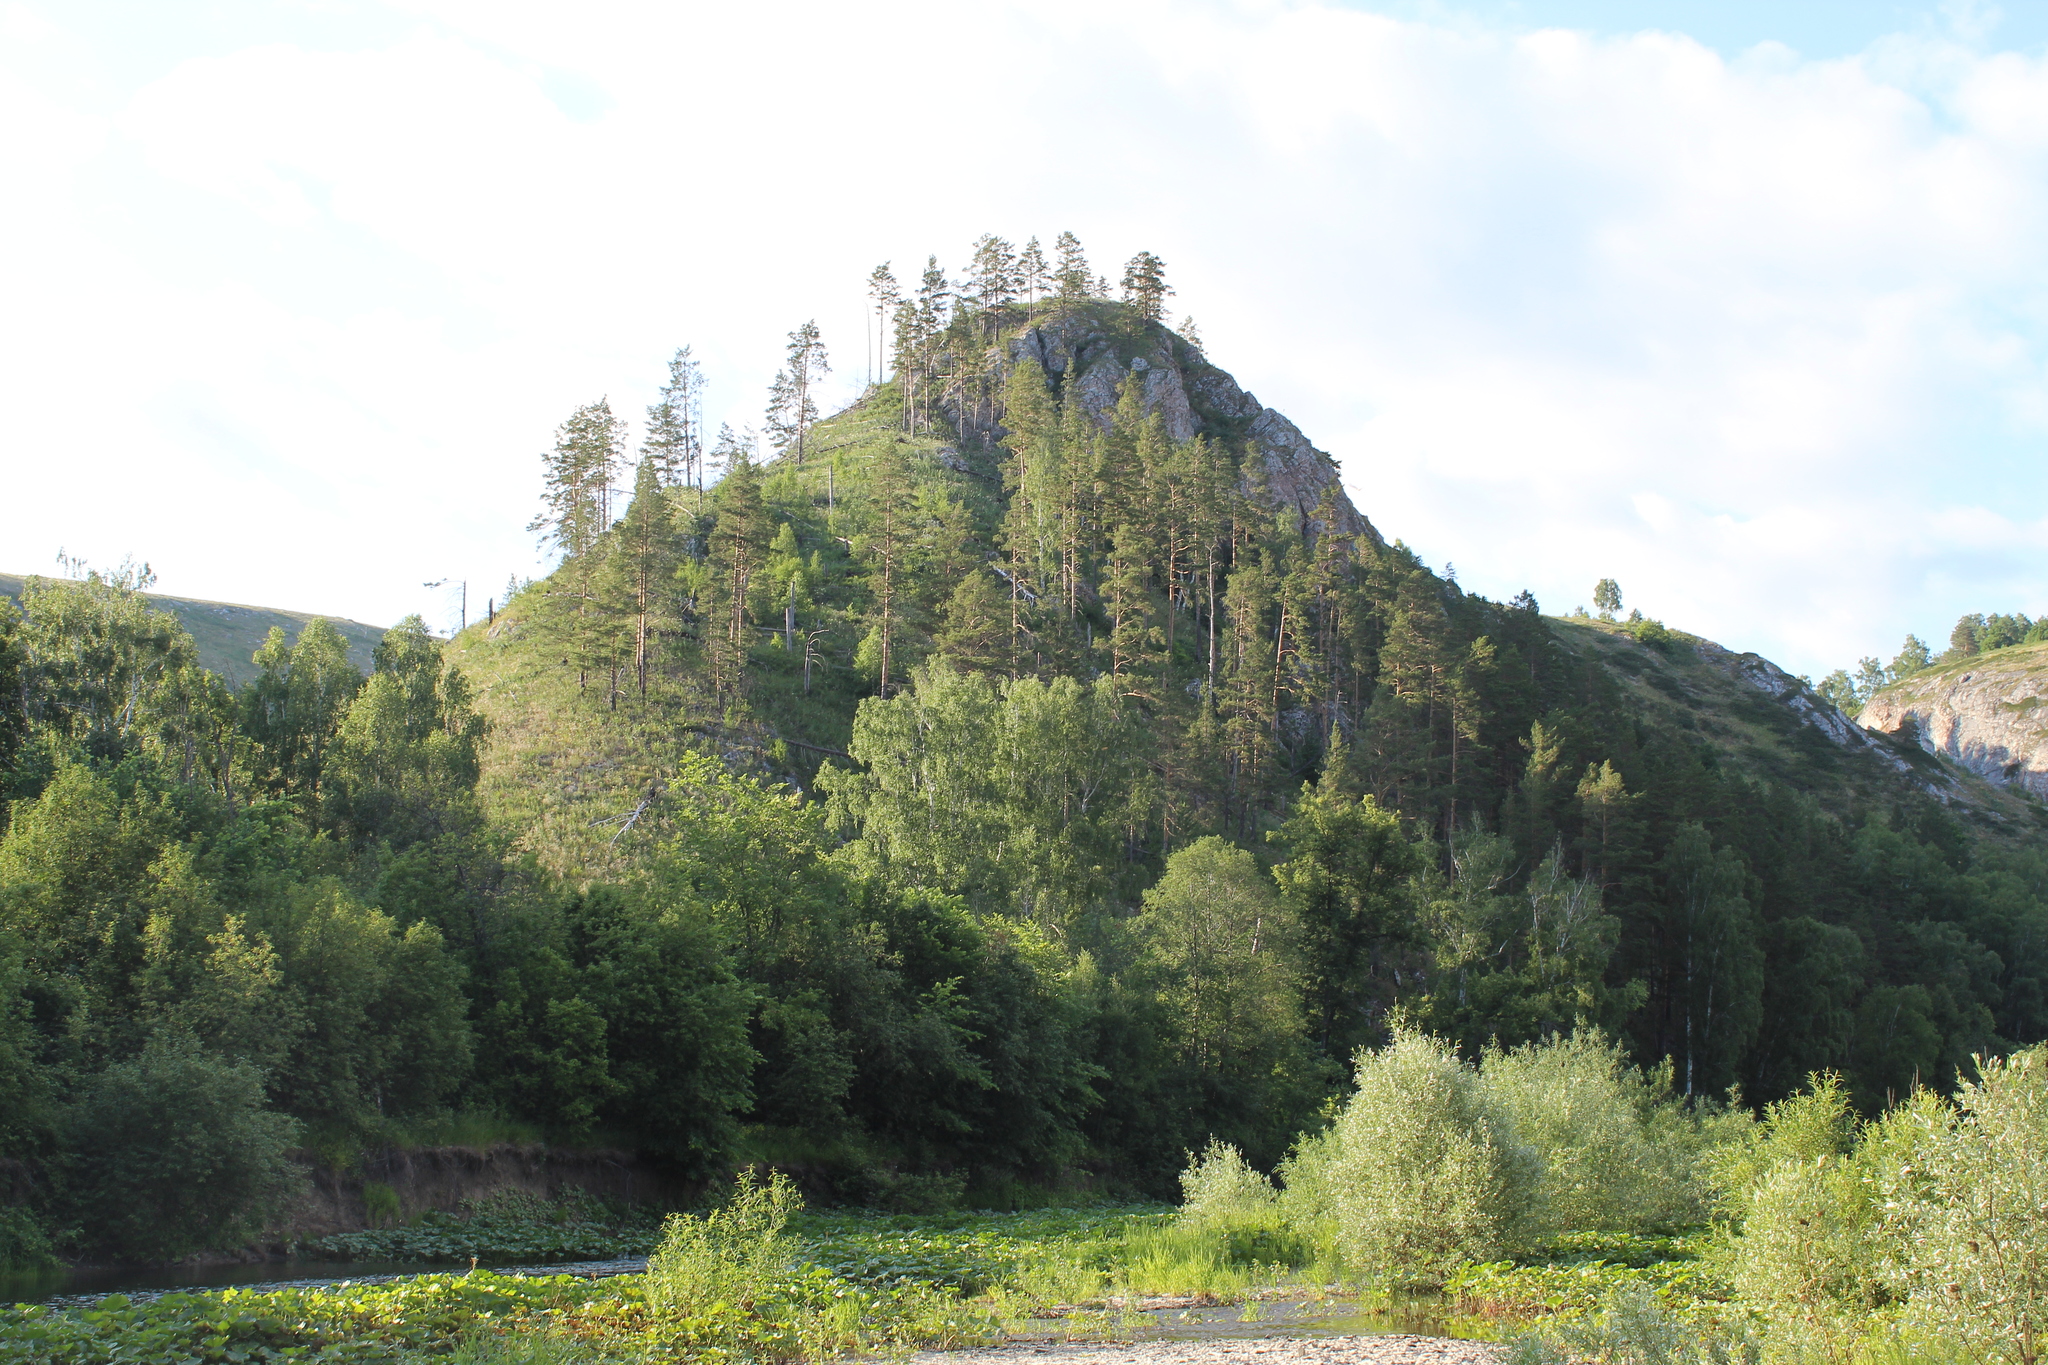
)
(1023, 776)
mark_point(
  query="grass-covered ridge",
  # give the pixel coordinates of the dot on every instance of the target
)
(228, 633)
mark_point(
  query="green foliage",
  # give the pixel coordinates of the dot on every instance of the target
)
(380, 1203)
(1429, 1173)
(1514, 965)
(175, 1151)
(1348, 884)
(1016, 794)
(507, 1228)
(1222, 949)
(1650, 631)
(1633, 1327)
(1157, 795)
(24, 1242)
(1231, 1215)
(727, 1254)
(404, 1320)
(1620, 1152)
(1967, 1200)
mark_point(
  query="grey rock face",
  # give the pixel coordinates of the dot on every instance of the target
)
(1991, 718)
(1083, 361)
(1812, 709)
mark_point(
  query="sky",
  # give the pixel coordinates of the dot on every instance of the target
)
(1743, 305)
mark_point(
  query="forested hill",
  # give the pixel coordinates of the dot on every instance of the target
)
(1060, 598)
(228, 634)
(1024, 774)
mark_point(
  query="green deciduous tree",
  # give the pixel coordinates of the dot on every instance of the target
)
(96, 662)
(174, 1151)
(1348, 881)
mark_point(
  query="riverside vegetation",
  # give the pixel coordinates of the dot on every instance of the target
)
(1533, 1195)
(1027, 777)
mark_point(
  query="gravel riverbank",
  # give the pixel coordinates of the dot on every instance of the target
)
(1333, 1350)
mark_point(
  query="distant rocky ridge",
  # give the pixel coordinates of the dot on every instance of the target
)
(1988, 715)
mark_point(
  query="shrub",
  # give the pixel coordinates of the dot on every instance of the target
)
(1230, 1219)
(1633, 1328)
(1811, 1252)
(1652, 632)
(174, 1151)
(1972, 1212)
(1428, 1173)
(1807, 1256)
(730, 1255)
(380, 1204)
(23, 1243)
(1818, 1123)
(1220, 1186)
(1619, 1151)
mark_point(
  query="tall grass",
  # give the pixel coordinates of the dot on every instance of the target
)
(730, 1284)
(732, 1254)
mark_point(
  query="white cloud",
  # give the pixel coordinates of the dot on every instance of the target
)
(1762, 338)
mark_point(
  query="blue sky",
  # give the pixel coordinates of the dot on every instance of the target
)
(1817, 29)
(1744, 305)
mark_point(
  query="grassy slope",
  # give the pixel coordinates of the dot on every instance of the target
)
(1706, 693)
(561, 757)
(2014, 662)
(227, 633)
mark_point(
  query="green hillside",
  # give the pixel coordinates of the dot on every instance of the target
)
(1776, 728)
(1066, 453)
(1026, 775)
(227, 633)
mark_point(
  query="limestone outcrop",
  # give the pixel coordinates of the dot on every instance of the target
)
(1089, 363)
(1988, 715)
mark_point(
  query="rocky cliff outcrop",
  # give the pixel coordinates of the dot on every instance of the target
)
(1088, 357)
(1989, 715)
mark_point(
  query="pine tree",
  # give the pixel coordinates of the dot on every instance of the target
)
(576, 506)
(1032, 276)
(884, 295)
(978, 628)
(887, 543)
(919, 321)
(675, 439)
(1033, 417)
(779, 421)
(739, 542)
(643, 562)
(993, 272)
(792, 399)
(1145, 286)
(1070, 274)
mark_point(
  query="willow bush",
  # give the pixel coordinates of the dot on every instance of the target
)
(1969, 1211)
(1620, 1151)
(1429, 1172)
